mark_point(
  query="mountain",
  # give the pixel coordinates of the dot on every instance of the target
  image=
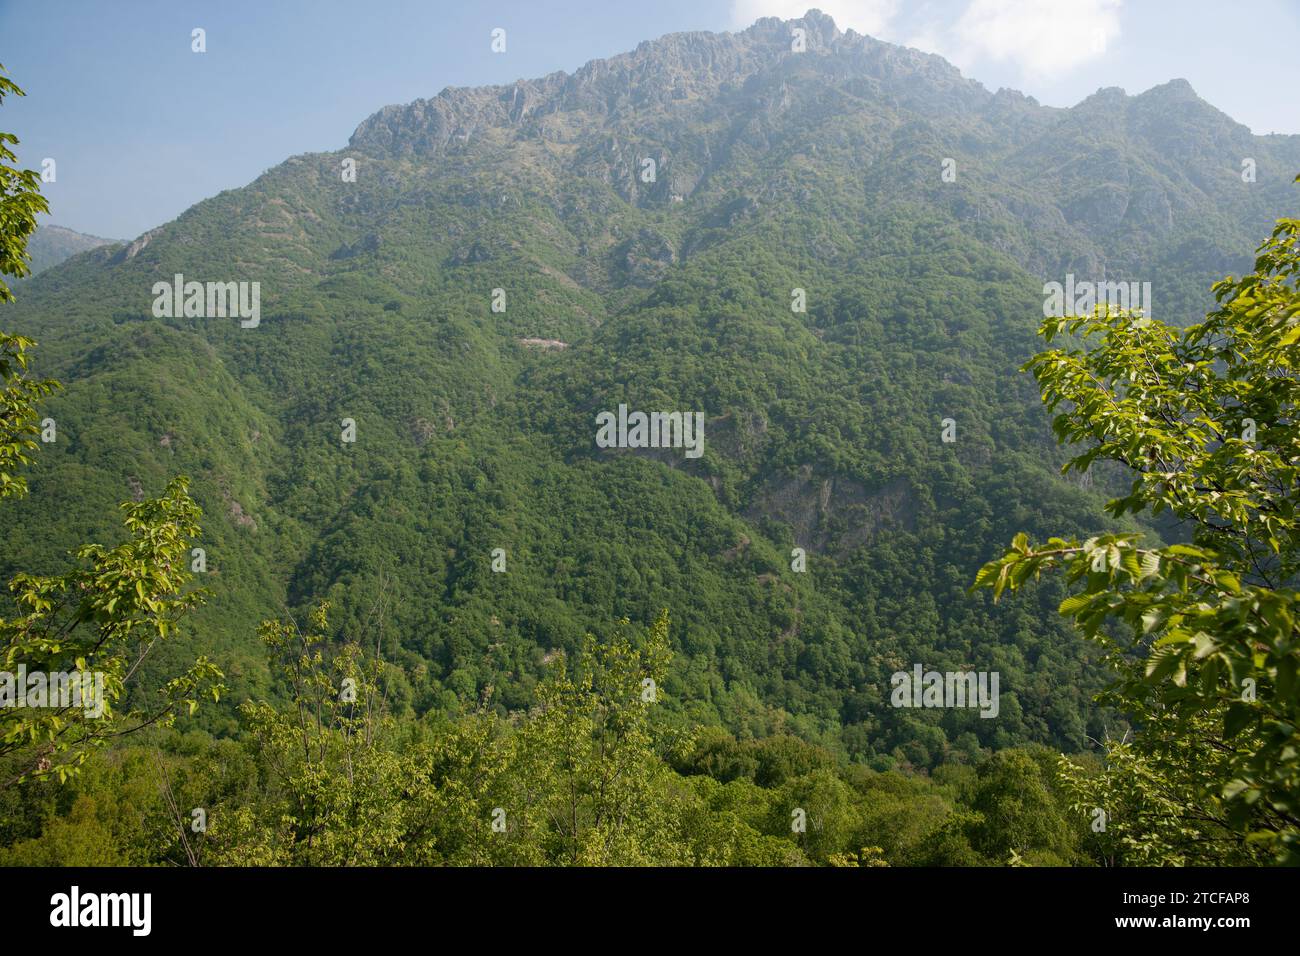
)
(52, 244)
(776, 176)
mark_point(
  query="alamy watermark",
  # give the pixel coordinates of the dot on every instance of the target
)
(654, 430)
(922, 688)
(75, 908)
(208, 300)
(1073, 299)
(59, 690)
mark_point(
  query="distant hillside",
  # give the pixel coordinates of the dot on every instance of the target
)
(53, 244)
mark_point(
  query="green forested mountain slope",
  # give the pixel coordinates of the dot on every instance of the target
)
(775, 171)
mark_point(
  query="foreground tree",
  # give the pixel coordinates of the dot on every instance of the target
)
(20, 202)
(1202, 635)
(594, 751)
(579, 779)
(100, 621)
(331, 780)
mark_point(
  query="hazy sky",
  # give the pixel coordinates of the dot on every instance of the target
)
(141, 127)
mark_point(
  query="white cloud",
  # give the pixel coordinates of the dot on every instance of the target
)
(927, 41)
(865, 16)
(1039, 36)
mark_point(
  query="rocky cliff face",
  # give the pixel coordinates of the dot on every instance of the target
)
(1095, 188)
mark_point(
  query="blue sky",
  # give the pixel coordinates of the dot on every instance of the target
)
(141, 128)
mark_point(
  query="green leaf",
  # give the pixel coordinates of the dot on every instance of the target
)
(1072, 605)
